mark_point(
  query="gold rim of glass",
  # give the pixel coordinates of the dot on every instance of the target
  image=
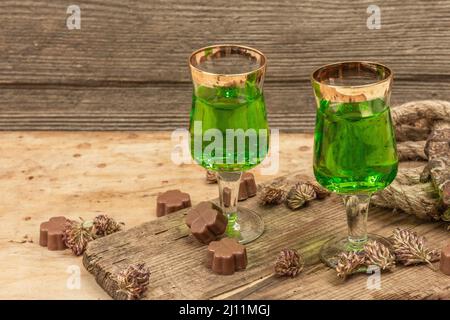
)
(387, 78)
(261, 58)
(371, 88)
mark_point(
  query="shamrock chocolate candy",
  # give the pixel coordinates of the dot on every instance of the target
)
(51, 233)
(226, 256)
(206, 222)
(171, 201)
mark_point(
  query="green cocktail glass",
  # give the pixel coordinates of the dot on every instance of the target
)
(229, 132)
(354, 143)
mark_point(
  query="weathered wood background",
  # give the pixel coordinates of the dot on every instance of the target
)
(127, 66)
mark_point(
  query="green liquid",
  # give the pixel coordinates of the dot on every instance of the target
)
(354, 149)
(230, 108)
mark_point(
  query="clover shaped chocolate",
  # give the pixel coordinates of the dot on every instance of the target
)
(226, 256)
(51, 233)
(206, 222)
(171, 201)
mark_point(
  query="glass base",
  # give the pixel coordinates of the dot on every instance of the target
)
(245, 226)
(332, 249)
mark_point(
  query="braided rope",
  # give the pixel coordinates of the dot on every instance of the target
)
(414, 122)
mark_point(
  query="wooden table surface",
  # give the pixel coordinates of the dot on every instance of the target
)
(44, 174)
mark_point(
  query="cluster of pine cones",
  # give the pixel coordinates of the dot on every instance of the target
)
(408, 248)
(77, 234)
(295, 197)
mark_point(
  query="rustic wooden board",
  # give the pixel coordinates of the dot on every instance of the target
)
(177, 260)
(291, 106)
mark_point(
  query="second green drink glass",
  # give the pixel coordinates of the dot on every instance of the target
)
(354, 144)
(229, 132)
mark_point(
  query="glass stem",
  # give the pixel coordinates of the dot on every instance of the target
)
(357, 208)
(228, 195)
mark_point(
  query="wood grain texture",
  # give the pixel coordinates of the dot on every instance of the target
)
(45, 174)
(291, 106)
(121, 173)
(149, 41)
(127, 66)
(177, 261)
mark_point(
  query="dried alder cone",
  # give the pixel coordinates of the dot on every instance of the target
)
(321, 192)
(297, 196)
(289, 263)
(349, 263)
(410, 248)
(77, 234)
(379, 255)
(272, 195)
(374, 254)
(104, 225)
(423, 133)
(133, 281)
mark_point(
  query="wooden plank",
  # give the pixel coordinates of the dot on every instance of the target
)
(149, 41)
(419, 282)
(177, 260)
(291, 106)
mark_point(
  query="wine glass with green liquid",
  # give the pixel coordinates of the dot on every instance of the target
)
(229, 132)
(354, 144)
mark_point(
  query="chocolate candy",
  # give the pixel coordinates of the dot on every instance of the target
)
(445, 260)
(247, 187)
(226, 256)
(171, 201)
(51, 233)
(206, 222)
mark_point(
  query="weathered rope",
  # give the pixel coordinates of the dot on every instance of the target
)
(411, 112)
(423, 133)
